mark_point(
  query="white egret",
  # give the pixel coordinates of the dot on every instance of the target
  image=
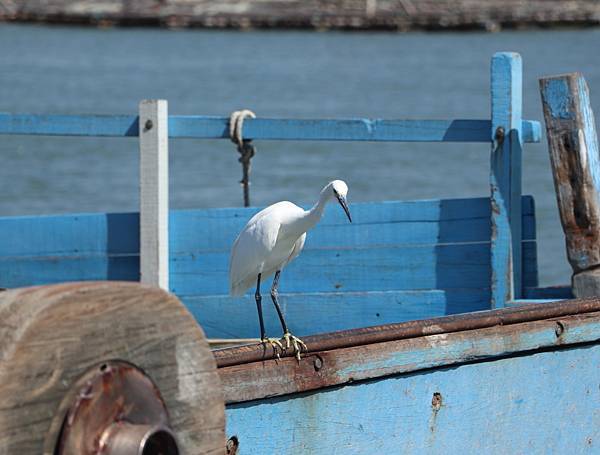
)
(271, 240)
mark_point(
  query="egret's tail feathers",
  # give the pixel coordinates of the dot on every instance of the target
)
(236, 291)
(239, 289)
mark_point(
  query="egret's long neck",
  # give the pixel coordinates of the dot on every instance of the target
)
(312, 216)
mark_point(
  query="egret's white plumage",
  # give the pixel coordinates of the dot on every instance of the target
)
(275, 236)
(269, 241)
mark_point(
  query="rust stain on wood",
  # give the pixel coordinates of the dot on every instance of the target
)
(515, 332)
(411, 329)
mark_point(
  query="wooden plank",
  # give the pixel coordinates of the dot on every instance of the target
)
(154, 194)
(410, 267)
(28, 271)
(374, 224)
(51, 335)
(70, 235)
(338, 270)
(552, 292)
(220, 235)
(205, 127)
(381, 223)
(38, 250)
(346, 129)
(311, 313)
(536, 403)
(529, 264)
(269, 378)
(427, 267)
(575, 158)
(69, 125)
(505, 177)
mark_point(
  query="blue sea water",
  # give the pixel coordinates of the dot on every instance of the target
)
(277, 74)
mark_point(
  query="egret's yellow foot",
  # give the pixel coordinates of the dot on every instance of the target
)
(275, 344)
(295, 342)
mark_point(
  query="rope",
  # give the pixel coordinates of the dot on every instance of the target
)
(244, 147)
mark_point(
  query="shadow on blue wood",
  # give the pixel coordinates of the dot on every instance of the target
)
(398, 261)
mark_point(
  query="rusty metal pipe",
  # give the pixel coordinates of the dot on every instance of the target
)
(129, 439)
(381, 333)
(116, 409)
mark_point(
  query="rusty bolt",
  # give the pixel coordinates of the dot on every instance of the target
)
(560, 328)
(148, 125)
(436, 401)
(499, 135)
(318, 363)
(232, 445)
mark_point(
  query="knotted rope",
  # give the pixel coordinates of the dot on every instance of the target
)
(244, 147)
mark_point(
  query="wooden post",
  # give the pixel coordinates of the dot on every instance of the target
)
(154, 193)
(505, 178)
(573, 147)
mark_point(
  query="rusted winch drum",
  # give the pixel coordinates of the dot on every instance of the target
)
(105, 368)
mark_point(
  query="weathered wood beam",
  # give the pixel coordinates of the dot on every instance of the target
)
(575, 159)
(333, 367)
(416, 328)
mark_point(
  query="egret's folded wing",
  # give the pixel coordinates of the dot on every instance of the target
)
(297, 248)
(250, 250)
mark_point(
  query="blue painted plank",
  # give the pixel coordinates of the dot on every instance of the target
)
(21, 272)
(529, 264)
(204, 127)
(367, 269)
(537, 403)
(69, 125)
(345, 129)
(389, 256)
(375, 269)
(505, 177)
(548, 293)
(376, 224)
(69, 235)
(219, 236)
(311, 313)
(521, 302)
(318, 270)
(333, 232)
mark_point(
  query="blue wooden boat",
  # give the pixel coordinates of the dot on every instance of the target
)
(392, 367)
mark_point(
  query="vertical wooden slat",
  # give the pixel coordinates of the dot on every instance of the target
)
(505, 177)
(574, 154)
(154, 193)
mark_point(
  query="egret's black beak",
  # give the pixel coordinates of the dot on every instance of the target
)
(342, 201)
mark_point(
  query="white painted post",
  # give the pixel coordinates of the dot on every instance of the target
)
(154, 193)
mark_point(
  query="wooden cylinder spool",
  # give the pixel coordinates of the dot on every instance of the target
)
(50, 337)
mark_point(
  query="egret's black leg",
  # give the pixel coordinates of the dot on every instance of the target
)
(258, 298)
(290, 340)
(276, 344)
(274, 295)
